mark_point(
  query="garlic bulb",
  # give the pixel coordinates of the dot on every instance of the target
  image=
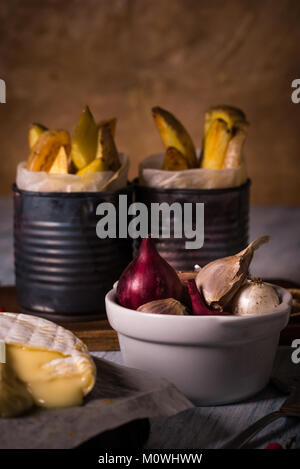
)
(255, 297)
(166, 306)
(220, 279)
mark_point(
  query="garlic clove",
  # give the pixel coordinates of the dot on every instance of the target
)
(221, 279)
(199, 307)
(255, 297)
(166, 306)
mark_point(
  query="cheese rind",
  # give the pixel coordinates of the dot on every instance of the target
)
(52, 362)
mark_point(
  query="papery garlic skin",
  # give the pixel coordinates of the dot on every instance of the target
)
(221, 279)
(254, 298)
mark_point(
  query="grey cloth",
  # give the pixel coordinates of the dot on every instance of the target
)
(120, 395)
(212, 427)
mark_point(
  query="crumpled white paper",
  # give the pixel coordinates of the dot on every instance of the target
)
(151, 175)
(120, 395)
(40, 181)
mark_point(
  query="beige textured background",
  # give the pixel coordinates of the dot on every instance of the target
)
(124, 56)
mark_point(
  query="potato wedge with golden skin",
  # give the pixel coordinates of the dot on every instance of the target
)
(45, 150)
(95, 166)
(173, 134)
(215, 145)
(35, 131)
(174, 160)
(71, 166)
(111, 123)
(107, 150)
(234, 153)
(84, 144)
(228, 114)
(61, 163)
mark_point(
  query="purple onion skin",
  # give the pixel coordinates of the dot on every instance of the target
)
(199, 306)
(148, 277)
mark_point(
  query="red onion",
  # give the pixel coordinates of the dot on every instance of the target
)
(274, 446)
(148, 277)
(199, 306)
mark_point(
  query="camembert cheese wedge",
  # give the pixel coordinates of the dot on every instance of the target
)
(46, 365)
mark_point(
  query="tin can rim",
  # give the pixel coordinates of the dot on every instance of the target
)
(162, 190)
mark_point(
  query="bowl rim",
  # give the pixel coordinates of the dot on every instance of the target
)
(285, 303)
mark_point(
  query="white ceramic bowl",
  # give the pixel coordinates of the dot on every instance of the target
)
(212, 359)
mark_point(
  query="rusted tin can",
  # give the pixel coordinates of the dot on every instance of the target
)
(226, 215)
(63, 270)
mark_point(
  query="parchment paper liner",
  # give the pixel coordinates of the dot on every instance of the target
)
(151, 175)
(41, 181)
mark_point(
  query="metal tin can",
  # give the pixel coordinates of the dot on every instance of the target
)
(226, 214)
(63, 270)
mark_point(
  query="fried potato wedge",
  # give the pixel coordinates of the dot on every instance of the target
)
(111, 123)
(34, 133)
(215, 145)
(234, 152)
(107, 150)
(95, 166)
(61, 163)
(173, 134)
(45, 150)
(228, 114)
(174, 160)
(84, 144)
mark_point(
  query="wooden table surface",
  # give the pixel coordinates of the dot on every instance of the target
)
(211, 427)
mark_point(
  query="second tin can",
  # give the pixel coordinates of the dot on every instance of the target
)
(226, 214)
